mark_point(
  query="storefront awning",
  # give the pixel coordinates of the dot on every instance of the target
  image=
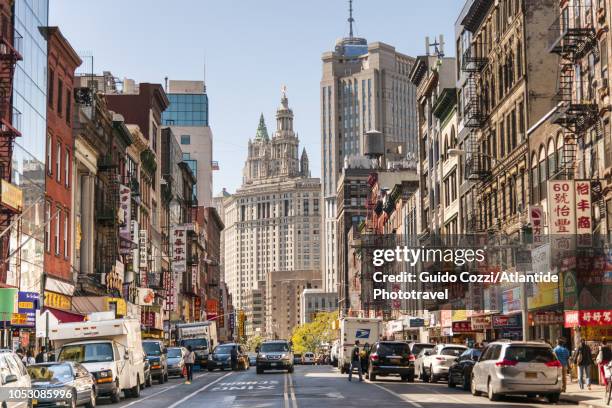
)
(64, 316)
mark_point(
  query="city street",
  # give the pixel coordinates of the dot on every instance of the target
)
(309, 386)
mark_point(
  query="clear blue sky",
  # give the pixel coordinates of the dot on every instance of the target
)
(251, 48)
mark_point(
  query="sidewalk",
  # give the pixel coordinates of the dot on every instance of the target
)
(585, 398)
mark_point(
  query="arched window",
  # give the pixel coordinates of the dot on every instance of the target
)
(535, 196)
(542, 171)
(551, 156)
(453, 138)
(560, 163)
(519, 61)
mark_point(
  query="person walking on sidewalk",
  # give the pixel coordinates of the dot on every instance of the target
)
(355, 361)
(563, 356)
(189, 361)
(604, 356)
(583, 360)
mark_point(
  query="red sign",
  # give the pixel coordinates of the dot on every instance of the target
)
(211, 309)
(462, 327)
(545, 318)
(197, 305)
(582, 318)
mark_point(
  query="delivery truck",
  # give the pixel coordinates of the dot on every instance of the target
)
(111, 349)
(201, 336)
(355, 328)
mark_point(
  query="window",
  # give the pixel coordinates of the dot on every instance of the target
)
(60, 94)
(154, 137)
(57, 232)
(66, 217)
(48, 226)
(68, 106)
(51, 88)
(67, 169)
(49, 155)
(58, 163)
(185, 139)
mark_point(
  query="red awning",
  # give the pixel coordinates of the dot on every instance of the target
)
(64, 316)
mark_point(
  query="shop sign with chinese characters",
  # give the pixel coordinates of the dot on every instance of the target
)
(584, 226)
(562, 207)
(585, 318)
(536, 217)
(179, 249)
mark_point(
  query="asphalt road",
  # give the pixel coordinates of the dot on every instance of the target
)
(308, 386)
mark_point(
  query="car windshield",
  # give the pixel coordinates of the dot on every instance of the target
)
(388, 349)
(174, 353)
(196, 344)
(416, 348)
(87, 353)
(224, 349)
(57, 373)
(526, 354)
(452, 351)
(151, 348)
(274, 347)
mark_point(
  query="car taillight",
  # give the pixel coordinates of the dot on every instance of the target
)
(411, 357)
(440, 358)
(506, 363)
(374, 357)
(554, 363)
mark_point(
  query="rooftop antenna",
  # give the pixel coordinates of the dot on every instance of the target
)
(438, 46)
(351, 20)
(205, 74)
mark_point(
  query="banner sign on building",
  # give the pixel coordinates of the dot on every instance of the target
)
(143, 245)
(562, 207)
(507, 321)
(481, 322)
(27, 303)
(125, 216)
(462, 327)
(536, 218)
(179, 248)
(146, 296)
(582, 318)
(584, 226)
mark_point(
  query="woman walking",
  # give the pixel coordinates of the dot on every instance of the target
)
(189, 361)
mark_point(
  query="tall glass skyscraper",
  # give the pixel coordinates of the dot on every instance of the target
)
(29, 117)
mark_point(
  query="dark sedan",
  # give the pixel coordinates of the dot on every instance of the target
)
(222, 357)
(73, 383)
(460, 373)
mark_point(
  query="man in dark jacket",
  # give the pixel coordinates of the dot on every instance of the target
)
(583, 360)
(234, 358)
(355, 361)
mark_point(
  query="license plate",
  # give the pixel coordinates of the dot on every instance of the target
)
(395, 359)
(274, 364)
(531, 375)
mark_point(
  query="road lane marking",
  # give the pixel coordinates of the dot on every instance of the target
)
(400, 396)
(285, 395)
(292, 391)
(160, 392)
(199, 390)
(432, 389)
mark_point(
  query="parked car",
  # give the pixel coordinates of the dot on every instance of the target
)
(419, 371)
(520, 368)
(437, 361)
(274, 355)
(308, 358)
(252, 359)
(156, 354)
(460, 373)
(147, 373)
(13, 374)
(297, 358)
(222, 357)
(176, 360)
(74, 383)
(391, 358)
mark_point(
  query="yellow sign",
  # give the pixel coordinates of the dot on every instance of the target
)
(11, 196)
(25, 305)
(57, 301)
(544, 294)
(19, 319)
(116, 304)
(459, 315)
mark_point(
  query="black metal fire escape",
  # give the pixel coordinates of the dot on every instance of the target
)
(477, 162)
(9, 55)
(107, 211)
(573, 39)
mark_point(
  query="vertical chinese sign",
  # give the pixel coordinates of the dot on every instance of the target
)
(584, 226)
(536, 217)
(562, 213)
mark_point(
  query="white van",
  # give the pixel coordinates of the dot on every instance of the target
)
(110, 349)
(356, 328)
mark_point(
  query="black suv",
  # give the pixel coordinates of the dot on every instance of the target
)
(157, 355)
(391, 357)
(274, 355)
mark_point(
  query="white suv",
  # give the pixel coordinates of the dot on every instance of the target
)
(519, 368)
(437, 361)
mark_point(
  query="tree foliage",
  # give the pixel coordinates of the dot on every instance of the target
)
(310, 336)
(253, 342)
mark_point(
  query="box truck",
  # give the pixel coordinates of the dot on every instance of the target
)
(201, 336)
(355, 328)
(111, 349)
